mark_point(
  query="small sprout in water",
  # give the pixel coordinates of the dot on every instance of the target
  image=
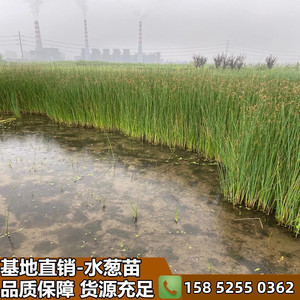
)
(211, 269)
(103, 203)
(176, 216)
(280, 259)
(122, 245)
(135, 211)
(190, 247)
(76, 178)
(257, 269)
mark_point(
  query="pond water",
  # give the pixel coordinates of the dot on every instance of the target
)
(73, 192)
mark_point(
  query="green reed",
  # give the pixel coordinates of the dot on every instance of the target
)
(247, 121)
(134, 211)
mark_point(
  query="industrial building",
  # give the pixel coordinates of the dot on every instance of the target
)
(44, 54)
(106, 55)
(116, 55)
(121, 56)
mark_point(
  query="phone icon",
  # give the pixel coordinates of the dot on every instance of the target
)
(169, 287)
(165, 283)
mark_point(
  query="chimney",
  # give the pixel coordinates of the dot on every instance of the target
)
(38, 38)
(86, 41)
(140, 47)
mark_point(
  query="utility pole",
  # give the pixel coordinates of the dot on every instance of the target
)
(21, 46)
(227, 45)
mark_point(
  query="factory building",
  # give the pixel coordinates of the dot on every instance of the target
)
(106, 55)
(121, 56)
(116, 55)
(44, 54)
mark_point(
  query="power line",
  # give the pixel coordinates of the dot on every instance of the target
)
(5, 45)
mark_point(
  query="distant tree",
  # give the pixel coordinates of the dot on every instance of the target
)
(221, 60)
(1, 59)
(240, 61)
(232, 61)
(271, 61)
(218, 60)
(236, 62)
(199, 61)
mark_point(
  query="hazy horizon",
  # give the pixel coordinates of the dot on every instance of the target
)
(175, 28)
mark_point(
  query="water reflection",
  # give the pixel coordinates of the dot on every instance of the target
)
(71, 192)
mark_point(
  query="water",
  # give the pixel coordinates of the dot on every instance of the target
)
(73, 192)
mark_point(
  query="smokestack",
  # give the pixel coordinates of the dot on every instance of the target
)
(140, 48)
(86, 41)
(38, 38)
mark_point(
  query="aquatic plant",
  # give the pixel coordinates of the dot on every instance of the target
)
(246, 121)
(135, 211)
(103, 202)
(176, 218)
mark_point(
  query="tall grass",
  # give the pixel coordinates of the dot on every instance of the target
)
(248, 121)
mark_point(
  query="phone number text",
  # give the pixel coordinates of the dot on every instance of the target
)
(239, 287)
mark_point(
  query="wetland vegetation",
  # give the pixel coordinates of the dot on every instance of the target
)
(247, 121)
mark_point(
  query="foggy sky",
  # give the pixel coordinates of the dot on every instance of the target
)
(176, 28)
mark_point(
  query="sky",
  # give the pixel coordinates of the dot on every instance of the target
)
(176, 28)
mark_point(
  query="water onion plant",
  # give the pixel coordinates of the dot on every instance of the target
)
(247, 121)
(134, 211)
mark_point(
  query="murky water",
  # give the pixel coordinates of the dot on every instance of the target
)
(73, 192)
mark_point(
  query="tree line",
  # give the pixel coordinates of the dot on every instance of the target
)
(223, 61)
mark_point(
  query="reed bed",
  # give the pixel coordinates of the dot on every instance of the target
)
(247, 121)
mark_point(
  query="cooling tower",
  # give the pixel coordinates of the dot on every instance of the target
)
(86, 41)
(140, 47)
(38, 38)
